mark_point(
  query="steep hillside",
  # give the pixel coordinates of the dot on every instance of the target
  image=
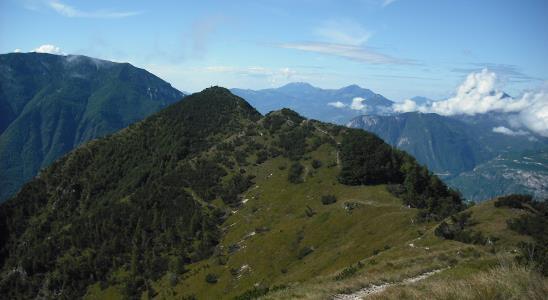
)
(50, 104)
(209, 179)
(328, 105)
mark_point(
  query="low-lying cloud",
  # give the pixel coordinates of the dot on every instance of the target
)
(357, 104)
(478, 94)
(337, 104)
(47, 48)
(508, 131)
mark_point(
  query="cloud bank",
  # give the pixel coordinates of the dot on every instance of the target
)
(478, 94)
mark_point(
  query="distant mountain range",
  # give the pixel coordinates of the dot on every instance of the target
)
(328, 105)
(50, 104)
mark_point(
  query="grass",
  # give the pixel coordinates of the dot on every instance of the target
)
(506, 281)
(339, 237)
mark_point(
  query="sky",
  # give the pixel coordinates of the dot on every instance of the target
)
(398, 48)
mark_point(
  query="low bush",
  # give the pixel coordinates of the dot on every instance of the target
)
(211, 278)
(295, 173)
(328, 199)
(316, 164)
(304, 252)
(346, 273)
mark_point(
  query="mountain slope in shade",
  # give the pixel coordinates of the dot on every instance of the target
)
(313, 102)
(446, 144)
(50, 104)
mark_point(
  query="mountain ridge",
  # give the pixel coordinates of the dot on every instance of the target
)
(55, 103)
(316, 103)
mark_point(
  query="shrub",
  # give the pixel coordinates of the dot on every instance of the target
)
(304, 252)
(211, 278)
(262, 156)
(295, 173)
(257, 292)
(328, 199)
(346, 273)
(316, 164)
(457, 230)
(309, 211)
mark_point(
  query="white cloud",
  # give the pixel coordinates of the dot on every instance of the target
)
(357, 104)
(72, 12)
(508, 131)
(344, 32)
(51, 49)
(535, 114)
(17, 50)
(406, 106)
(387, 2)
(478, 95)
(352, 52)
(337, 104)
(347, 39)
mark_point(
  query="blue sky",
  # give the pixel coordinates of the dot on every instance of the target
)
(400, 48)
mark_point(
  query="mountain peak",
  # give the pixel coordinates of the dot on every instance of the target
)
(298, 85)
(213, 104)
(352, 88)
(216, 90)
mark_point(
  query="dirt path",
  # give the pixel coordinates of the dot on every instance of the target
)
(373, 289)
(333, 138)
